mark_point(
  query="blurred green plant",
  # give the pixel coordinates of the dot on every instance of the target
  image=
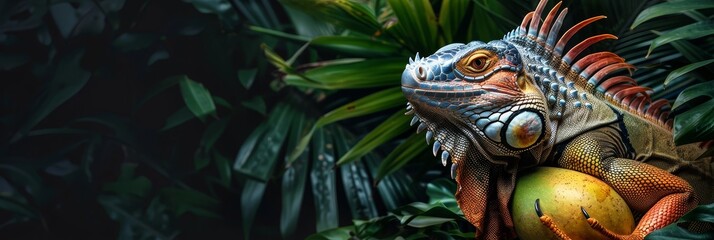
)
(439, 218)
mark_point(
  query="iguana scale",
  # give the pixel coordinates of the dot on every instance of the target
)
(496, 108)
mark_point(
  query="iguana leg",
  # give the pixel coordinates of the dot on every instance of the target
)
(662, 196)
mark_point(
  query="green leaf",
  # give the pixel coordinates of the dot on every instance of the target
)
(256, 103)
(691, 52)
(7, 203)
(421, 215)
(250, 200)
(357, 46)
(351, 75)
(416, 25)
(293, 181)
(177, 118)
(222, 9)
(159, 55)
(297, 54)
(260, 163)
(670, 7)
(691, 31)
(120, 126)
(451, 16)
(201, 159)
(134, 41)
(197, 98)
(16, 173)
(395, 125)
(352, 15)
(694, 125)
(135, 223)
(214, 130)
(276, 60)
(404, 153)
(127, 184)
(279, 34)
(427, 221)
(491, 20)
(395, 189)
(441, 191)
(222, 102)
(322, 178)
(307, 25)
(61, 168)
(67, 80)
(66, 18)
(333, 234)
(372, 103)
(190, 201)
(382, 100)
(699, 90)
(247, 77)
(224, 168)
(355, 180)
(249, 145)
(684, 70)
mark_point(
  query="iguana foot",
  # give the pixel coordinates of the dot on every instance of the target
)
(548, 222)
(606, 232)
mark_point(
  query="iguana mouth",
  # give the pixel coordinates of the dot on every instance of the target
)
(441, 93)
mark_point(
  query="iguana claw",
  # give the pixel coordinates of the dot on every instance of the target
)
(585, 213)
(548, 222)
(537, 208)
(595, 225)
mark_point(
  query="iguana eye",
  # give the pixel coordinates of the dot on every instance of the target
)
(476, 63)
(479, 63)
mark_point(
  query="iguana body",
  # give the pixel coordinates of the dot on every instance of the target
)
(500, 107)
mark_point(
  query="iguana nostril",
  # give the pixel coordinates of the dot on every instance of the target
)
(421, 73)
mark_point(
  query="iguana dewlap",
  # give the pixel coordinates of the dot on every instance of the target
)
(495, 108)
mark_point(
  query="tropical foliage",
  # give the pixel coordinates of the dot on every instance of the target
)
(263, 119)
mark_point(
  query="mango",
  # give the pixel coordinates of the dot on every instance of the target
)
(562, 192)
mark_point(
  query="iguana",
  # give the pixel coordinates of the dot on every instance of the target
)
(496, 108)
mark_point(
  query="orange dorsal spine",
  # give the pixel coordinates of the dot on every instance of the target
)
(600, 73)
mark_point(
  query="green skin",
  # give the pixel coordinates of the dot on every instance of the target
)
(496, 108)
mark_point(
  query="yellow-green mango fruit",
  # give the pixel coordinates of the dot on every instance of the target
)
(562, 192)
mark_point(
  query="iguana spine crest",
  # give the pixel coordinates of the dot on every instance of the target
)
(599, 73)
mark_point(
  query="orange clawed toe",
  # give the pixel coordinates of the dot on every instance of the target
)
(548, 222)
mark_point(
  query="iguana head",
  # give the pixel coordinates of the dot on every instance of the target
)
(476, 95)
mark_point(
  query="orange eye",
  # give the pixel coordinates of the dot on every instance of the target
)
(476, 63)
(479, 63)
